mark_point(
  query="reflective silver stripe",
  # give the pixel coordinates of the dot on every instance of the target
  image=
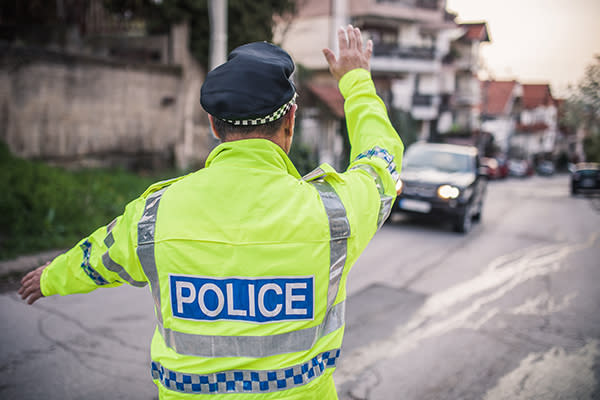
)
(145, 250)
(315, 173)
(113, 266)
(110, 226)
(246, 381)
(109, 240)
(339, 231)
(386, 201)
(255, 346)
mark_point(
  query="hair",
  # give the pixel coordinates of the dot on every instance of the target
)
(269, 129)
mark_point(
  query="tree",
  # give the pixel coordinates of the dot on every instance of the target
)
(582, 110)
(248, 21)
(41, 21)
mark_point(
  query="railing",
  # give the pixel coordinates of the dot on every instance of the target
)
(428, 4)
(392, 50)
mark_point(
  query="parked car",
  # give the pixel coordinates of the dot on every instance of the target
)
(502, 167)
(545, 168)
(585, 178)
(443, 181)
(519, 168)
(491, 167)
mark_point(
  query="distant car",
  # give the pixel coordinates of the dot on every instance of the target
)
(502, 167)
(491, 167)
(518, 168)
(545, 168)
(585, 178)
(443, 181)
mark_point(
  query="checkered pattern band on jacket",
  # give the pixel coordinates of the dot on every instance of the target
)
(246, 381)
(280, 112)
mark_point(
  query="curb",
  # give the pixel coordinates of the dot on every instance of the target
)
(23, 264)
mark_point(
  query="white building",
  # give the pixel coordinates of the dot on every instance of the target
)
(537, 130)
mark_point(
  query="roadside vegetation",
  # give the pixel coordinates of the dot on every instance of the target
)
(44, 207)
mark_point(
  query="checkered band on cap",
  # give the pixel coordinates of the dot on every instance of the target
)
(280, 112)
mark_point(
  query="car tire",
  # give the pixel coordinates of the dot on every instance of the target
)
(464, 222)
(477, 215)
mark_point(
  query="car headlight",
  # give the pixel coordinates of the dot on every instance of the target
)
(399, 186)
(448, 192)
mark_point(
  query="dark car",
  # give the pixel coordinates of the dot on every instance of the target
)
(443, 181)
(585, 178)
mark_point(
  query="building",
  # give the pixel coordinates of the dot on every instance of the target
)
(537, 129)
(424, 66)
(501, 103)
(460, 110)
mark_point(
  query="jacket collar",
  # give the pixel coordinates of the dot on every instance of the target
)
(253, 153)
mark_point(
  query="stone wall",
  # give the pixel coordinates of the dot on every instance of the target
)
(83, 110)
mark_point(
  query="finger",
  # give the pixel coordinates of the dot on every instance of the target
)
(343, 41)
(27, 277)
(369, 49)
(359, 40)
(28, 290)
(34, 297)
(351, 37)
(329, 56)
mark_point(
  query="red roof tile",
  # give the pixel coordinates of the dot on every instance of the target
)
(536, 95)
(331, 96)
(495, 96)
(476, 31)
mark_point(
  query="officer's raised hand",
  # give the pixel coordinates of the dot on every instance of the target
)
(352, 54)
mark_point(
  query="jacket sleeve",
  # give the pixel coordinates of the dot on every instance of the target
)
(369, 188)
(106, 258)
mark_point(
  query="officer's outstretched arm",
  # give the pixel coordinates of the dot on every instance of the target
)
(106, 258)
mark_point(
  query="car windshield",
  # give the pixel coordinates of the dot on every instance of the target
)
(425, 158)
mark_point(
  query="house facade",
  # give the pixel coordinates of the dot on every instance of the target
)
(501, 104)
(537, 129)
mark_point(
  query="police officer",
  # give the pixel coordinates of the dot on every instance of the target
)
(246, 260)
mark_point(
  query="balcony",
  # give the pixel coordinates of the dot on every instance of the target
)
(393, 50)
(427, 4)
(394, 58)
(424, 106)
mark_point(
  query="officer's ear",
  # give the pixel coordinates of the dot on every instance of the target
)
(288, 130)
(212, 128)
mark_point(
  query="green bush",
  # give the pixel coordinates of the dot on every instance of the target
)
(44, 207)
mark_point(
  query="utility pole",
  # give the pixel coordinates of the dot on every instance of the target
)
(339, 17)
(217, 11)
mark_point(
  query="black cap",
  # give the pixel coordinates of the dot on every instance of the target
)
(252, 88)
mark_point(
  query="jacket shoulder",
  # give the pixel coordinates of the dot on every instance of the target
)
(155, 187)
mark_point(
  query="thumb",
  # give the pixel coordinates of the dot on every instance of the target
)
(329, 56)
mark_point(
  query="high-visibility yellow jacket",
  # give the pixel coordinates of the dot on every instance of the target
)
(247, 261)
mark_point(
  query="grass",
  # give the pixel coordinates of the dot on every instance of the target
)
(44, 207)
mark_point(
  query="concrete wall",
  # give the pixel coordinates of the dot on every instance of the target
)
(74, 108)
(81, 110)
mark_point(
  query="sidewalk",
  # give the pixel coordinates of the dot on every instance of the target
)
(23, 264)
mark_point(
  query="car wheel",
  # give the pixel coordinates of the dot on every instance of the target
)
(464, 222)
(477, 215)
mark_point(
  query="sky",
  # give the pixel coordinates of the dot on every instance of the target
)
(536, 41)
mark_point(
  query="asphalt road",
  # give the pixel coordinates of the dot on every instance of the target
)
(509, 311)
